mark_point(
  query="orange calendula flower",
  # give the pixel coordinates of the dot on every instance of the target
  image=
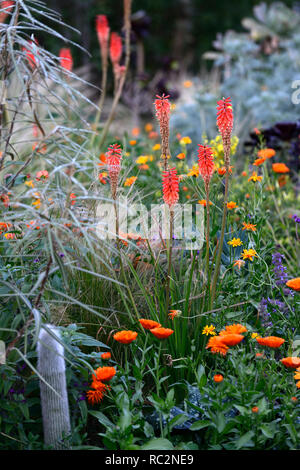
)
(244, 173)
(295, 399)
(291, 362)
(280, 168)
(236, 329)
(106, 355)
(266, 153)
(125, 336)
(181, 156)
(254, 177)
(255, 409)
(216, 345)
(298, 384)
(130, 181)
(249, 227)
(231, 205)
(239, 263)
(259, 161)
(135, 131)
(222, 170)
(96, 395)
(249, 254)
(294, 284)
(232, 339)
(218, 378)
(174, 313)
(148, 127)
(259, 355)
(149, 324)
(202, 202)
(162, 333)
(297, 376)
(104, 374)
(270, 341)
(132, 142)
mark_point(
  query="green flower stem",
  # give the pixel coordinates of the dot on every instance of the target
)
(219, 254)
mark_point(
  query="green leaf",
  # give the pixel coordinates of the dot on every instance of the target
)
(158, 444)
(245, 439)
(267, 430)
(102, 419)
(200, 425)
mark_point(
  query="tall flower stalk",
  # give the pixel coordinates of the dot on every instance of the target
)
(225, 126)
(103, 30)
(163, 108)
(124, 70)
(113, 160)
(170, 195)
(206, 170)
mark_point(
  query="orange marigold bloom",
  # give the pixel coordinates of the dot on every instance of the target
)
(236, 329)
(244, 173)
(255, 409)
(249, 227)
(295, 399)
(149, 324)
(259, 161)
(125, 336)
(222, 170)
(106, 355)
(216, 345)
(96, 395)
(294, 284)
(170, 187)
(270, 341)
(239, 263)
(232, 339)
(266, 153)
(259, 355)
(291, 362)
(162, 333)
(231, 205)
(181, 156)
(104, 374)
(280, 168)
(218, 378)
(203, 202)
(174, 313)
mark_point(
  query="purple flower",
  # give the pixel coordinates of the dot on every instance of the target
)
(296, 219)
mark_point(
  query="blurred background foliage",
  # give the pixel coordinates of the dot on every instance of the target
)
(179, 29)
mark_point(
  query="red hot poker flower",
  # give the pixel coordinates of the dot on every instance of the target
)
(7, 7)
(170, 187)
(113, 159)
(102, 29)
(205, 162)
(163, 107)
(115, 48)
(66, 59)
(30, 53)
(225, 116)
